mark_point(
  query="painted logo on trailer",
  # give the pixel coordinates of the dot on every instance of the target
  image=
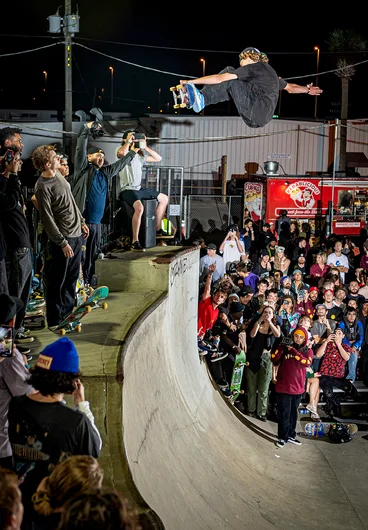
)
(303, 193)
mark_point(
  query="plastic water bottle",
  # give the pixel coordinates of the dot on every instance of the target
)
(216, 341)
(304, 411)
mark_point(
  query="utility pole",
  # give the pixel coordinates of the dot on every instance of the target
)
(70, 25)
(68, 116)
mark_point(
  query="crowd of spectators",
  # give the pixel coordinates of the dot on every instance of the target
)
(299, 310)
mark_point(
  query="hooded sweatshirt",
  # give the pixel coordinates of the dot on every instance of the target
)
(293, 364)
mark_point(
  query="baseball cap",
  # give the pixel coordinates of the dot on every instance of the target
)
(59, 356)
(9, 307)
(211, 246)
(321, 305)
(263, 253)
(94, 149)
(301, 254)
(267, 225)
(297, 270)
(314, 288)
(247, 289)
(236, 307)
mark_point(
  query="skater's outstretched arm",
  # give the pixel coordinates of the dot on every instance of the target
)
(309, 89)
(210, 79)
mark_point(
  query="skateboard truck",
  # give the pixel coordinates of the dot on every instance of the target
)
(178, 95)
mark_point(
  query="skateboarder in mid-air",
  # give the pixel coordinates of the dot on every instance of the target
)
(254, 87)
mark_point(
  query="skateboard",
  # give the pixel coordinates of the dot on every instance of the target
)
(237, 375)
(73, 321)
(319, 429)
(179, 95)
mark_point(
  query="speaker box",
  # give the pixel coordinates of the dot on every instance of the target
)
(147, 232)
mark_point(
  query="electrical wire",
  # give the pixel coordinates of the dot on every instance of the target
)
(30, 51)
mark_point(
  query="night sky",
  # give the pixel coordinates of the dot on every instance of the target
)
(165, 36)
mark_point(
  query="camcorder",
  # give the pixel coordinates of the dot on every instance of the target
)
(97, 131)
(6, 341)
(286, 341)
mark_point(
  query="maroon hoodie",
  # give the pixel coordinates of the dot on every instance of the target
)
(293, 364)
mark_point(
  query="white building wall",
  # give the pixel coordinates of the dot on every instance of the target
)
(198, 143)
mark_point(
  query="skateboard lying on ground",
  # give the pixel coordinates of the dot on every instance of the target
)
(319, 428)
(237, 375)
(73, 321)
(178, 92)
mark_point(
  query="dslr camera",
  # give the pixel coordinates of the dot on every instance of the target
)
(286, 341)
(97, 131)
(140, 140)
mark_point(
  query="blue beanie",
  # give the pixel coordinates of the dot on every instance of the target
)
(59, 356)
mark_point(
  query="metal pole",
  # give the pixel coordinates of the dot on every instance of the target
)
(333, 171)
(112, 86)
(68, 116)
(316, 97)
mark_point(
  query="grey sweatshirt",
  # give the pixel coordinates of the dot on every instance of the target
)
(59, 213)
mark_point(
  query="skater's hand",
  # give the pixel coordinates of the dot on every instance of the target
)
(68, 251)
(85, 231)
(184, 81)
(78, 393)
(314, 90)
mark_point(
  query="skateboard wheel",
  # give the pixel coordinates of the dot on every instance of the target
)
(62, 332)
(104, 305)
(242, 392)
(88, 308)
(82, 292)
(78, 328)
(172, 88)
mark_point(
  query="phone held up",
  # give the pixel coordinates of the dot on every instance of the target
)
(6, 341)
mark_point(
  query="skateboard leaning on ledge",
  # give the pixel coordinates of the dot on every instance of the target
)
(73, 321)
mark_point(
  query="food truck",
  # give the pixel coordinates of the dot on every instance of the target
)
(310, 198)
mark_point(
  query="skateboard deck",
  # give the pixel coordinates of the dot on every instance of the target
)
(73, 321)
(237, 375)
(178, 92)
(319, 429)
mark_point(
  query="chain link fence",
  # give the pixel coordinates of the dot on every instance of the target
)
(209, 216)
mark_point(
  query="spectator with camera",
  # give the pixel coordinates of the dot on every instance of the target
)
(259, 372)
(11, 138)
(18, 258)
(288, 314)
(129, 186)
(232, 247)
(292, 358)
(263, 267)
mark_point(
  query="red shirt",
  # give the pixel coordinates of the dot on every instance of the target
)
(332, 363)
(207, 315)
(291, 374)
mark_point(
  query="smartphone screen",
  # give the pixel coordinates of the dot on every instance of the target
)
(6, 341)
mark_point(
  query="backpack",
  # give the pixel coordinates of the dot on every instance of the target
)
(339, 433)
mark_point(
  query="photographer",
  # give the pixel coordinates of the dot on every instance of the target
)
(232, 247)
(90, 189)
(259, 372)
(129, 187)
(292, 361)
(17, 237)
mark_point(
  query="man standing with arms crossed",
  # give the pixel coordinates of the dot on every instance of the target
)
(64, 225)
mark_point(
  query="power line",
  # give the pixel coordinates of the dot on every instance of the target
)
(29, 51)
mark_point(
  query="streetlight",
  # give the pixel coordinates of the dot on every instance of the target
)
(45, 74)
(203, 61)
(112, 85)
(316, 49)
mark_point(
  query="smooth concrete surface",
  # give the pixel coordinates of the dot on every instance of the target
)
(171, 442)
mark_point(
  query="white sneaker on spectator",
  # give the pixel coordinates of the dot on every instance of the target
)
(294, 441)
(311, 408)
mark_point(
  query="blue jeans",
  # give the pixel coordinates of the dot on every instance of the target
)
(352, 364)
